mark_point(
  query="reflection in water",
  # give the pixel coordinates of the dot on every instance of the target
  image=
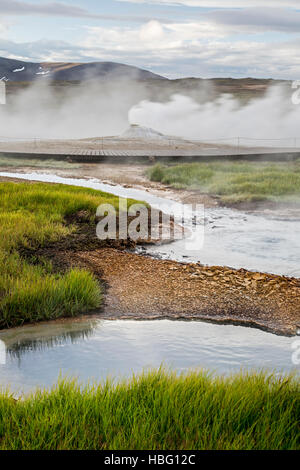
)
(39, 338)
(38, 355)
(19, 348)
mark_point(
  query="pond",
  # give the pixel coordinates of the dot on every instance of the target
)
(93, 349)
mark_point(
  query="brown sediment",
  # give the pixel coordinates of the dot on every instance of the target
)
(143, 288)
(139, 287)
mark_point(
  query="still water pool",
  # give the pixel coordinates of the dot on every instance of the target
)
(94, 349)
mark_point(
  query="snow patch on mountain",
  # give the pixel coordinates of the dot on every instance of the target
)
(19, 70)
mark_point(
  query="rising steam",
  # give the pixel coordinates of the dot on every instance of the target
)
(100, 109)
(68, 112)
(272, 117)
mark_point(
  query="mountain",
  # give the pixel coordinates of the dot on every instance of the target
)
(19, 71)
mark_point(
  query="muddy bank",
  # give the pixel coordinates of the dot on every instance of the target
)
(139, 287)
(142, 288)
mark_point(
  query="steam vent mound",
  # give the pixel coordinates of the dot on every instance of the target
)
(143, 133)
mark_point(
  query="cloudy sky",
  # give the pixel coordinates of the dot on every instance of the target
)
(175, 38)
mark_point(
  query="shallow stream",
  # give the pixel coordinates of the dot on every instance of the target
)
(267, 242)
(92, 349)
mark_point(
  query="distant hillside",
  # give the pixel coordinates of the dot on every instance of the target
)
(19, 71)
(64, 76)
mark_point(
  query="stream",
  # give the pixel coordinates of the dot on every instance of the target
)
(90, 349)
(267, 242)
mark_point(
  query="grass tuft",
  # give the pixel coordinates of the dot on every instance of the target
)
(157, 410)
(234, 182)
(32, 216)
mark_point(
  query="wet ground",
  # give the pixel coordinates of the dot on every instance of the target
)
(96, 347)
(146, 288)
(266, 239)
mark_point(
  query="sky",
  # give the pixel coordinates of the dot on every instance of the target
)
(174, 38)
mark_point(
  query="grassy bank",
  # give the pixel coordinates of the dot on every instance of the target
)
(15, 162)
(32, 216)
(234, 182)
(157, 410)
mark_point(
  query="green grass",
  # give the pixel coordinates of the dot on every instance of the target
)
(32, 216)
(234, 182)
(157, 410)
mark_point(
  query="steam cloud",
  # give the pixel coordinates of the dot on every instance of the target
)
(87, 110)
(272, 117)
(101, 109)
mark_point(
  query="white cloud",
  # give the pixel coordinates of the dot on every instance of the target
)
(256, 20)
(179, 49)
(39, 51)
(206, 44)
(17, 7)
(152, 31)
(223, 3)
(3, 27)
(21, 8)
(196, 48)
(153, 37)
